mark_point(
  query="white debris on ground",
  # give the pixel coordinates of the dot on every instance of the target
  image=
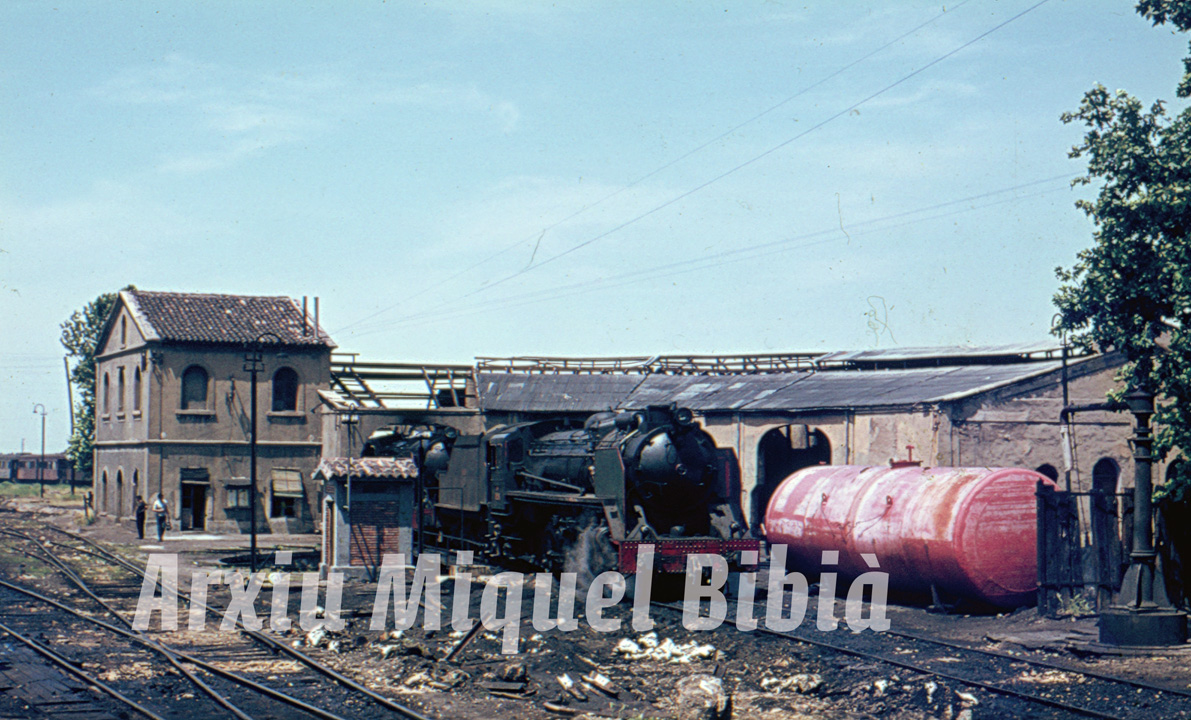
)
(647, 647)
(804, 683)
(315, 637)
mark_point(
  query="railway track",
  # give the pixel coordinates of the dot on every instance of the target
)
(1010, 685)
(183, 682)
(1024, 687)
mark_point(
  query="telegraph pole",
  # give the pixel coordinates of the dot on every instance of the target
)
(253, 364)
(41, 462)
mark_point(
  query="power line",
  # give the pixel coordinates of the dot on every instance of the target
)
(538, 235)
(755, 158)
(826, 235)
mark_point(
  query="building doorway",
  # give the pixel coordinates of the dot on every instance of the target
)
(194, 506)
(119, 494)
(781, 452)
(1106, 537)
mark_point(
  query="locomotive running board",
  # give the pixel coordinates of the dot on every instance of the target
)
(670, 554)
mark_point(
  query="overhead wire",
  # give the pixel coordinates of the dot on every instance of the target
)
(759, 156)
(539, 234)
(751, 252)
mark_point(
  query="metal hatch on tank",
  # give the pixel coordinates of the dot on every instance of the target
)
(969, 532)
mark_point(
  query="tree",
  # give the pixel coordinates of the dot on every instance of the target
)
(80, 333)
(1131, 290)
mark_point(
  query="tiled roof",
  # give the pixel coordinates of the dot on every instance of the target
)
(222, 319)
(382, 468)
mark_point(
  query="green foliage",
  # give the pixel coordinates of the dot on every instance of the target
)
(80, 333)
(1131, 291)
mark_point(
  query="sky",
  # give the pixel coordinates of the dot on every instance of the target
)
(498, 177)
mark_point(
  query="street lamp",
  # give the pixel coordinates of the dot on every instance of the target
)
(1145, 615)
(253, 364)
(41, 463)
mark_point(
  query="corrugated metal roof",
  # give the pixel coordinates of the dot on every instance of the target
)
(507, 392)
(790, 391)
(919, 354)
(874, 388)
(709, 392)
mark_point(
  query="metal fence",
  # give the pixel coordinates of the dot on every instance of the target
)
(1083, 548)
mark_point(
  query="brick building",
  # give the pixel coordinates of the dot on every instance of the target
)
(173, 410)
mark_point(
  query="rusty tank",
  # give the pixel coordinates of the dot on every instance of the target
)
(968, 531)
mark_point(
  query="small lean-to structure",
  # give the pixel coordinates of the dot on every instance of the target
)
(369, 511)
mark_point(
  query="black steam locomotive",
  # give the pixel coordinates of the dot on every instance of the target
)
(555, 495)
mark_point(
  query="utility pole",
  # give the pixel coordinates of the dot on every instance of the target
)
(253, 364)
(70, 404)
(41, 462)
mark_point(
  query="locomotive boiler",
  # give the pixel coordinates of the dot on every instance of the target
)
(962, 533)
(557, 495)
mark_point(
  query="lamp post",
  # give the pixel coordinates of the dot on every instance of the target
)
(253, 365)
(1145, 615)
(41, 462)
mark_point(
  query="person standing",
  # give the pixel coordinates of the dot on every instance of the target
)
(161, 510)
(140, 517)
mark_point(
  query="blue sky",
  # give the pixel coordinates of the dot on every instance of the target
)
(583, 178)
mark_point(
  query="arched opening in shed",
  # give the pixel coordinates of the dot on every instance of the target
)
(1048, 470)
(1106, 535)
(781, 452)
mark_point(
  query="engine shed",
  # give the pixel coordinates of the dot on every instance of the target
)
(990, 406)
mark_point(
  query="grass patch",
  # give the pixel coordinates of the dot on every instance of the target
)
(58, 495)
(11, 560)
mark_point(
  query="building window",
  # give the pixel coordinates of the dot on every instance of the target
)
(238, 496)
(287, 491)
(120, 390)
(107, 403)
(1104, 475)
(285, 390)
(194, 388)
(123, 331)
(136, 390)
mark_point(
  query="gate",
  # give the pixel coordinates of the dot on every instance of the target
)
(1082, 545)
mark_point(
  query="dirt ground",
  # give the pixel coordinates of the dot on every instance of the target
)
(630, 674)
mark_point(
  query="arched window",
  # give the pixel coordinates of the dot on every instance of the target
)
(101, 498)
(107, 386)
(285, 390)
(136, 390)
(1104, 475)
(123, 331)
(1049, 471)
(194, 388)
(119, 504)
(120, 390)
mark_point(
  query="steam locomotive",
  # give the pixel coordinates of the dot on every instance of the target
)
(554, 495)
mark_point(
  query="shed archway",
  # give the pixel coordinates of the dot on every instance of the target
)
(780, 452)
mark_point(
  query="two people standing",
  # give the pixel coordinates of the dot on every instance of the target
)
(161, 512)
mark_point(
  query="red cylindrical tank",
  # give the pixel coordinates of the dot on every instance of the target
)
(969, 531)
